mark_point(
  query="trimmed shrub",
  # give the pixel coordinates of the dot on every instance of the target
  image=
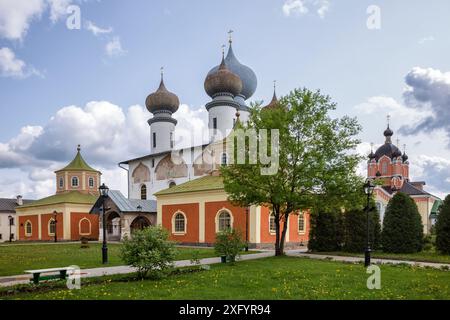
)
(325, 232)
(150, 251)
(402, 226)
(443, 227)
(355, 224)
(229, 243)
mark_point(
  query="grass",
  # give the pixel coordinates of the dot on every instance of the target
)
(268, 278)
(15, 259)
(424, 256)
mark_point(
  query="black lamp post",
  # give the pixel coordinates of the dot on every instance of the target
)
(55, 214)
(10, 218)
(368, 189)
(104, 194)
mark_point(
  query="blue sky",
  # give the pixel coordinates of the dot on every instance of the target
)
(365, 71)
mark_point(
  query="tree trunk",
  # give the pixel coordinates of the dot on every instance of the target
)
(278, 250)
(283, 234)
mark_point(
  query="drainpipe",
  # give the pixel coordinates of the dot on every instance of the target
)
(128, 179)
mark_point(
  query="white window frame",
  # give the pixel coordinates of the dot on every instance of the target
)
(302, 214)
(89, 182)
(217, 218)
(51, 234)
(272, 231)
(79, 227)
(72, 180)
(28, 234)
(61, 182)
(179, 233)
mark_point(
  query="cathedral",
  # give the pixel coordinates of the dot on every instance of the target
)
(390, 166)
(186, 184)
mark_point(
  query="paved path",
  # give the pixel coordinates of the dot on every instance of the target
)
(302, 253)
(106, 271)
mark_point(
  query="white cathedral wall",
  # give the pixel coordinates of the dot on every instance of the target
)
(225, 116)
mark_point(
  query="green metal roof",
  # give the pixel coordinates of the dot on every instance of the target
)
(436, 205)
(66, 197)
(201, 184)
(78, 164)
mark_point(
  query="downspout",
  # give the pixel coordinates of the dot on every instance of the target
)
(128, 178)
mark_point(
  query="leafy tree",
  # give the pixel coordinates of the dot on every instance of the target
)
(443, 227)
(150, 251)
(229, 243)
(356, 229)
(314, 167)
(324, 234)
(402, 226)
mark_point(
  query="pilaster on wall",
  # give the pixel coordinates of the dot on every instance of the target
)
(201, 221)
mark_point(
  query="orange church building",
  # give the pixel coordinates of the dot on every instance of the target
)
(64, 215)
(195, 211)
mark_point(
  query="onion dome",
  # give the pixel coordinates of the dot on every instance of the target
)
(247, 76)
(404, 157)
(371, 155)
(162, 99)
(274, 102)
(222, 81)
(388, 148)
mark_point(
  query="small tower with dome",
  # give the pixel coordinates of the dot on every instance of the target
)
(162, 104)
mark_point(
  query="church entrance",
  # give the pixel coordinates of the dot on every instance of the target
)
(113, 226)
(139, 223)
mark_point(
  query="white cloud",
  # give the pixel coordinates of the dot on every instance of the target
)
(16, 16)
(114, 48)
(426, 39)
(96, 30)
(11, 66)
(107, 133)
(58, 9)
(302, 7)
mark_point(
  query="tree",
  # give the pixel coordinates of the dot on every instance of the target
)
(150, 251)
(314, 168)
(443, 227)
(402, 226)
(324, 234)
(355, 225)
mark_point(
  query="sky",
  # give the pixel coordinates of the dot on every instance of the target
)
(78, 72)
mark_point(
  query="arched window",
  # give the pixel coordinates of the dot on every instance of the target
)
(172, 184)
(384, 168)
(28, 228)
(179, 223)
(51, 227)
(143, 192)
(272, 226)
(91, 182)
(84, 227)
(61, 182)
(224, 221)
(224, 159)
(74, 181)
(301, 223)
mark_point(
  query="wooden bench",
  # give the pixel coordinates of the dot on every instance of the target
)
(37, 274)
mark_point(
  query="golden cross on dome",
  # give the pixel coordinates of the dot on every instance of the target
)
(230, 38)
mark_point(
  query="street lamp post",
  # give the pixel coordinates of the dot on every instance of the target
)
(10, 218)
(104, 194)
(368, 189)
(54, 216)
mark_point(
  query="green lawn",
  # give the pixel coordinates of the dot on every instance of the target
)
(14, 259)
(424, 256)
(269, 278)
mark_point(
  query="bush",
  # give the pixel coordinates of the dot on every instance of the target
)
(355, 224)
(326, 232)
(150, 251)
(443, 227)
(402, 226)
(229, 243)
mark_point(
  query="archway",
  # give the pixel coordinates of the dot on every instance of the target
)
(139, 223)
(113, 226)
